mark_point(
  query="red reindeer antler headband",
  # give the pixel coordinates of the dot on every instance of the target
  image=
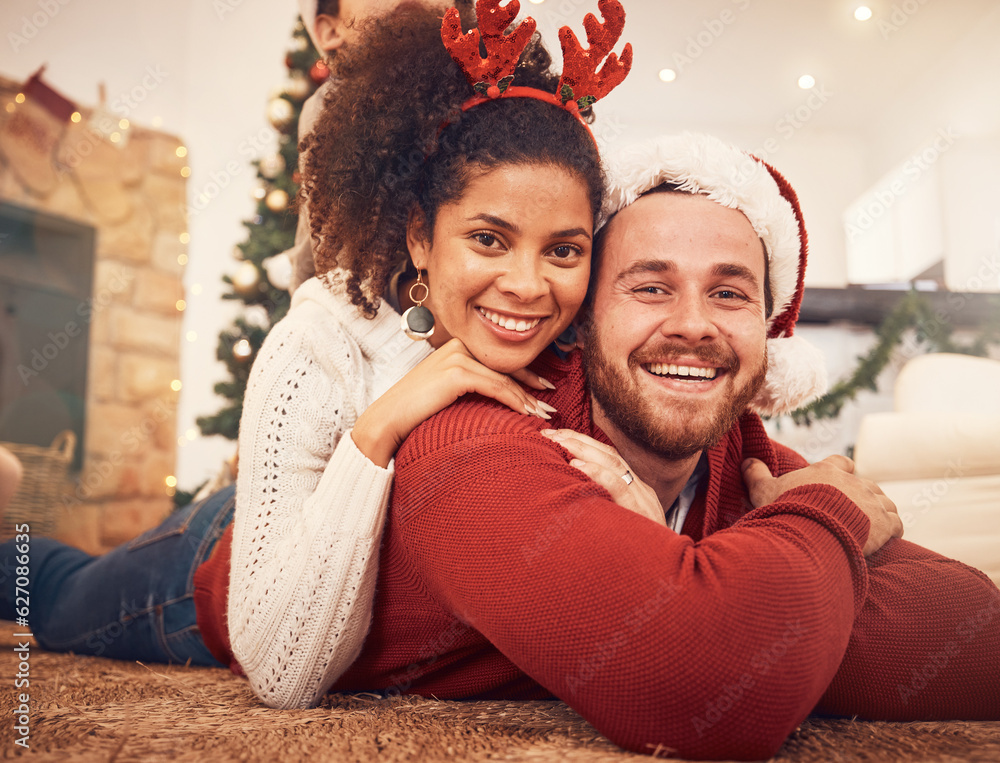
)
(581, 83)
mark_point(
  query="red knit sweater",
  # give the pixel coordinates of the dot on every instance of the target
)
(507, 574)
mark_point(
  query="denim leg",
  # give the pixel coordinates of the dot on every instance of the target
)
(135, 602)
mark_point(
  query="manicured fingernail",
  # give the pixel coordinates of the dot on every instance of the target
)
(542, 414)
(545, 407)
(577, 463)
(546, 383)
(547, 432)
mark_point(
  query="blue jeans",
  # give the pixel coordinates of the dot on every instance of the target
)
(135, 602)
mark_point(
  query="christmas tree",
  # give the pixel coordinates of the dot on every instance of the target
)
(270, 232)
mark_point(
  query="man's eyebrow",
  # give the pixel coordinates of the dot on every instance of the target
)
(734, 270)
(641, 267)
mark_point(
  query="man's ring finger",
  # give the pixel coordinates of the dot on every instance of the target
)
(627, 476)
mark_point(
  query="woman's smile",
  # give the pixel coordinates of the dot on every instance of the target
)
(508, 322)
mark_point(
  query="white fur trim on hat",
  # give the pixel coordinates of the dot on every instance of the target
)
(796, 375)
(731, 177)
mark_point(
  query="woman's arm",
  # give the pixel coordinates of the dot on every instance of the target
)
(309, 515)
(311, 501)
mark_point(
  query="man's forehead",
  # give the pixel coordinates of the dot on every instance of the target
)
(661, 226)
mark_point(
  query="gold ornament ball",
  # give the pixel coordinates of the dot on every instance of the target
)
(299, 86)
(272, 166)
(277, 200)
(242, 349)
(280, 113)
(246, 278)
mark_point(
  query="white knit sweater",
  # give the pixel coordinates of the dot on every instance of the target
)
(309, 506)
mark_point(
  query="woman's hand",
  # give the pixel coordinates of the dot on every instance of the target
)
(604, 466)
(432, 385)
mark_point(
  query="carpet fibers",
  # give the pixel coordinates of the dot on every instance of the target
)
(94, 709)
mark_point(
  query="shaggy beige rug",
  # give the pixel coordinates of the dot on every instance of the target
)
(94, 709)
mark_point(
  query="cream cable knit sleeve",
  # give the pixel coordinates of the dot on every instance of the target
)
(310, 507)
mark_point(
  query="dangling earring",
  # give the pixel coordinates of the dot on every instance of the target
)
(418, 322)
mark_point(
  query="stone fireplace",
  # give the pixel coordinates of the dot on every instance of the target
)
(122, 304)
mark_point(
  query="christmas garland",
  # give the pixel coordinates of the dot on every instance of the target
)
(933, 333)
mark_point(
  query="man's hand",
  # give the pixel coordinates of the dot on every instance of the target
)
(838, 472)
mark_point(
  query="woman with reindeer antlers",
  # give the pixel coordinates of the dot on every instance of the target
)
(458, 217)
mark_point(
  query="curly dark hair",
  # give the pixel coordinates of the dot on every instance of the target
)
(381, 151)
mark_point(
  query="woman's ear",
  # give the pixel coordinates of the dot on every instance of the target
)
(418, 239)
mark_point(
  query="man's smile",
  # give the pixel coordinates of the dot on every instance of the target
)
(674, 371)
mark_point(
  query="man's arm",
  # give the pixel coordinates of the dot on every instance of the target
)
(713, 650)
(926, 645)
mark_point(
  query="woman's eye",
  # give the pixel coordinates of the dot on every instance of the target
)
(485, 239)
(565, 251)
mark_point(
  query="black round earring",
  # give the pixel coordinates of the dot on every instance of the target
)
(418, 322)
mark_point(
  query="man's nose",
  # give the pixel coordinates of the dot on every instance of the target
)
(690, 319)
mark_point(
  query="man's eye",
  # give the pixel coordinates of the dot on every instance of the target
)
(649, 290)
(729, 294)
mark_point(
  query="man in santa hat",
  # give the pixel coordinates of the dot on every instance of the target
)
(689, 586)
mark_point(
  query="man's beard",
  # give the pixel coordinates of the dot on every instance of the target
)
(687, 428)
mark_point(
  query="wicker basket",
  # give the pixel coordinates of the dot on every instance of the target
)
(36, 501)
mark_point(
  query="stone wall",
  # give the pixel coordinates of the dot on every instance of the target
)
(132, 191)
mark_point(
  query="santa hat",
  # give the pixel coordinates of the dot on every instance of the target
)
(307, 10)
(735, 179)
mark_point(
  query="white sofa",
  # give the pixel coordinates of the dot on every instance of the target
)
(937, 456)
